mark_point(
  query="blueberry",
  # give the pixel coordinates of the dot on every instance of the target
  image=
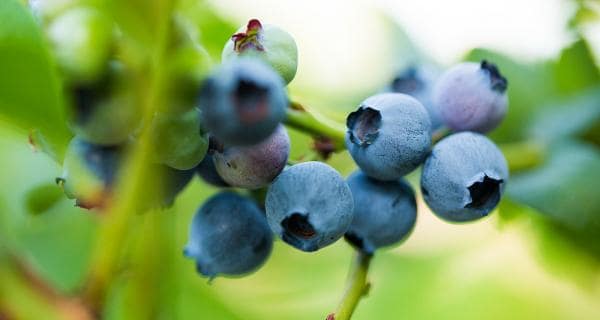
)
(309, 205)
(471, 97)
(254, 167)
(269, 43)
(105, 111)
(229, 236)
(464, 177)
(417, 81)
(207, 171)
(389, 135)
(178, 142)
(243, 102)
(89, 172)
(385, 212)
(81, 39)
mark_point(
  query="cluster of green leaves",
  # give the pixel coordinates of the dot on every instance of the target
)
(137, 261)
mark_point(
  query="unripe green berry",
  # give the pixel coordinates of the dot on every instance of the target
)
(270, 43)
(178, 141)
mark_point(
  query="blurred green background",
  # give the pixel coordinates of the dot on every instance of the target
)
(538, 256)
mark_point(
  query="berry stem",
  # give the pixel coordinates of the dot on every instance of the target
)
(300, 119)
(357, 287)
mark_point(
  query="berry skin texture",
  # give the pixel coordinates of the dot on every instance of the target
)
(82, 40)
(229, 236)
(471, 97)
(464, 177)
(178, 141)
(389, 135)
(269, 43)
(417, 82)
(309, 205)
(243, 102)
(254, 167)
(385, 212)
(207, 171)
(89, 172)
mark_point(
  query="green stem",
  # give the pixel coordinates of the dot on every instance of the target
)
(306, 122)
(114, 231)
(357, 287)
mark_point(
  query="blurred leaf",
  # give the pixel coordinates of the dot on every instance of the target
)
(41, 198)
(565, 188)
(214, 29)
(575, 69)
(30, 94)
(571, 117)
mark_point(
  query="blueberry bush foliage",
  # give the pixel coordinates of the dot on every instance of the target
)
(123, 259)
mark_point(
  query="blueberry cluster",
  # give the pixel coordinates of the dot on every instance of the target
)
(310, 205)
(227, 127)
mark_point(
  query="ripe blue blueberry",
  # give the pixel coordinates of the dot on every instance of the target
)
(229, 236)
(385, 212)
(254, 167)
(418, 82)
(471, 97)
(269, 43)
(389, 135)
(464, 177)
(243, 102)
(309, 205)
(89, 172)
(207, 171)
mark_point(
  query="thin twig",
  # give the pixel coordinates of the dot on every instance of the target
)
(357, 287)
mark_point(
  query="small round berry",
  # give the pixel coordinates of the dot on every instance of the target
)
(385, 212)
(254, 167)
(207, 171)
(89, 172)
(178, 142)
(471, 97)
(418, 82)
(309, 205)
(229, 236)
(271, 44)
(389, 135)
(81, 39)
(243, 102)
(464, 177)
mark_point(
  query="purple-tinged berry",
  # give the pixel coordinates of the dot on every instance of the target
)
(254, 167)
(472, 97)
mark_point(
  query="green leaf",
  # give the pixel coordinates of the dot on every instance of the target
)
(43, 197)
(571, 117)
(30, 94)
(575, 69)
(565, 188)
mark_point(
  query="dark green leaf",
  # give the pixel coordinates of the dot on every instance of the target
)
(565, 188)
(30, 94)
